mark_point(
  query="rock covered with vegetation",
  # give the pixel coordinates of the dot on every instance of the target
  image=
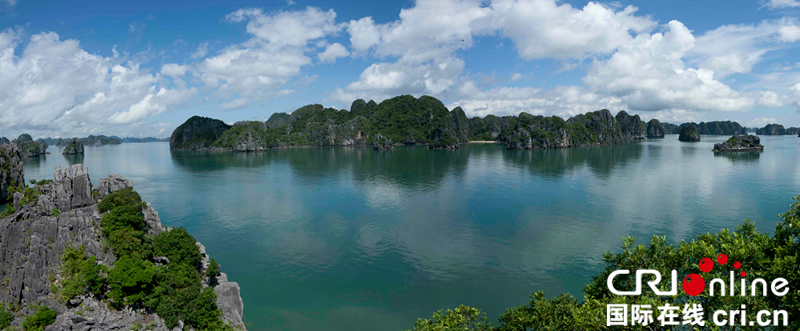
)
(12, 173)
(590, 129)
(383, 143)
(771, 130)
(197, 133)
(714, 128)
(739, 144)
(655, 129)
(73, 146)
(793, 131)
(689, 133)
(762, 256)
(28, 147)
(76, 258)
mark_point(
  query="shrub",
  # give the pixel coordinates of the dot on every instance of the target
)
(56, 212)
(43, 316)
(178, 246)
(131, 280)
(213, 268)
(123, 197)
(80, 274)
(6, 317)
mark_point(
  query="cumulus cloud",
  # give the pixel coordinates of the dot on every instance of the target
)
(777, 4)
(547, 29)
(174, 70)
(332, 52)
(55, 86)
(649, 74)
(789, 33)
(276, 52)
(426, 38)
(515, 77)
(201, 51)
(760, 122)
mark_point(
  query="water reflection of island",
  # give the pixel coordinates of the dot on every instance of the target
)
(743, 157)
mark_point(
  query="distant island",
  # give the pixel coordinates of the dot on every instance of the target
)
(425, 121)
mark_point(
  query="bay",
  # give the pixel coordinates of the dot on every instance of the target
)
(348, 238)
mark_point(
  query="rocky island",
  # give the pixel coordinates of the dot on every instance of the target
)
(30, 148)
(740, 144)
(73, 146)
(771, 130)
(689, 133)
(83, 257)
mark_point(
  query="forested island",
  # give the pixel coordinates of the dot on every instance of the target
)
(426, 121)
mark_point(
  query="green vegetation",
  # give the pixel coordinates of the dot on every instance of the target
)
(43, 316)
(80, 274)
(213, 269)
(763, 257)
(6, 317)
(174, 291)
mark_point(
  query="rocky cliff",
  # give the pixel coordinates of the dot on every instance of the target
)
(382, 143)
(197, 133)
(13, 173)
(771, 130)
(73, 146)
(689, 133)
(714, 128)
(28, 147)
(793, 131)
(57, 225)
(655, 129)
(740, 143)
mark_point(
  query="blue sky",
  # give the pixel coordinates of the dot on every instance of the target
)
(101, 67)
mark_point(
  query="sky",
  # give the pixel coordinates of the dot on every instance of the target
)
(75, 68)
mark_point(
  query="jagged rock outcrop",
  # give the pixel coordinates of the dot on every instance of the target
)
(246, 136)
(28, 147)
(490, 127)
(740, 144)
(12, 172)
(197, 133)
(590, 129)
(73, 146)
(4, 140)
(771, 130)
(655, 129)
(689, 133)
(714, 128)
(64, 213)
(631, 126)
(277, 119)
(382, 143)
(793, 131)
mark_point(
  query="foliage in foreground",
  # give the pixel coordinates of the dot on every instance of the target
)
(761, 256)
(43, 316)
(173, 291)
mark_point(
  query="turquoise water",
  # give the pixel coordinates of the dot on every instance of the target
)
(353, 239)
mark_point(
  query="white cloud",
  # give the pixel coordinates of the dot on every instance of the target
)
(546, 29)
(258, 68)
(174, 70)
(426, 38)
(562, 101)
(201, 51)
(11, 3)
(760, 122)
(332, 52)
(55, 86)
(515, 77)
(795, 95)
(790, 33)
(776, 4)
(649, 74)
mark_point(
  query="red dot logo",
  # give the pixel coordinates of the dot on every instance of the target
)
(694, 285)
(722, 259)
(737, 265)
(706, 265)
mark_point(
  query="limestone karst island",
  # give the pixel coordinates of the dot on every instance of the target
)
(423, 165)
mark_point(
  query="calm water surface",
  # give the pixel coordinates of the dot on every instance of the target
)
(354, 239)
